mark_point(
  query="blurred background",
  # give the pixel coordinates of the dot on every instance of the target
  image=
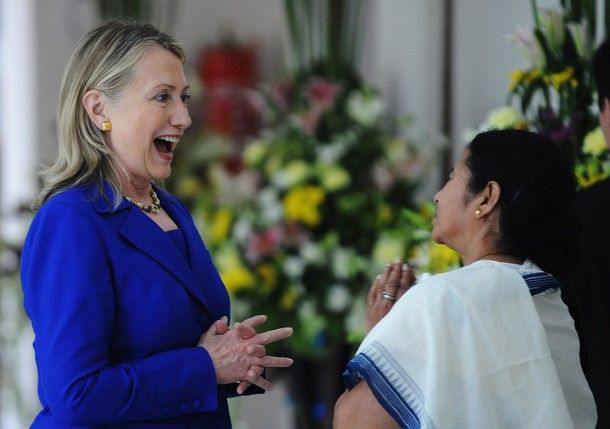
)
(353, 109)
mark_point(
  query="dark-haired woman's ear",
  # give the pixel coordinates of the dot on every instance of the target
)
(488, 198)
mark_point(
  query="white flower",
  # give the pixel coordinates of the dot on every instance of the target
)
(366, 109)
(504, 117)
(242, 230)
(294, 173)
(234, 188)
(382, 176)
(332, 177)
(356, 319)
(330, 153)
(346, 263)
(270, 206)
(311, 252)
(255, 151)
(386, 249)
(338, 298)
(340, 263)
(294, 267)
(469, 134)
(580, 35)
(551, 25)
(529, 46)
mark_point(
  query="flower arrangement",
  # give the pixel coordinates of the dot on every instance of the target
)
(555, 93)
(301, 220)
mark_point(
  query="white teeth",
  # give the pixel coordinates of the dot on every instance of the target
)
(170, 139)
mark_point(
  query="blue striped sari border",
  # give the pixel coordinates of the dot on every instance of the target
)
(540, 282)
(363, 367)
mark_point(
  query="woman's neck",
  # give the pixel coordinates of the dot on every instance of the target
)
(138, 192)
(494, 256)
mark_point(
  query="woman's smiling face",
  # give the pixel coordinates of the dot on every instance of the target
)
(149, 117)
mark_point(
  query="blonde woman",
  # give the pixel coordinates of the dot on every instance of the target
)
(129, 314)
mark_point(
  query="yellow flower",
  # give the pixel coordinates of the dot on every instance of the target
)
(234, 274)
(515, 77)
(237, 278)
(302, 203)
(532, 75)
(188, 187)
(268, 275)
(558, 79)
(442, 258)
(221, 224)
(595, 143)
(384, 214)
(289, 299)
(590, 173)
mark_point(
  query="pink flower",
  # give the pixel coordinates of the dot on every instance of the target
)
(322, 93)
(308, 121)
(283, 94)
(263, 244)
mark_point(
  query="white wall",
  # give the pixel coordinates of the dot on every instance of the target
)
(18, 113)
(402, 52)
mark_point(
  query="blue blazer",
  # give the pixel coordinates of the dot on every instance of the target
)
(117, 310)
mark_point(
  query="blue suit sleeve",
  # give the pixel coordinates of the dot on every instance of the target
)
(68, 295)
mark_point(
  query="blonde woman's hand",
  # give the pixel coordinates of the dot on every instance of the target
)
(239, 354)
(386, 289)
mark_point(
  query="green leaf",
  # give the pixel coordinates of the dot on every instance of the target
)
(551, 62)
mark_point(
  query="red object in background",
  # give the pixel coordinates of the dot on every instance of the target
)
(229, 73)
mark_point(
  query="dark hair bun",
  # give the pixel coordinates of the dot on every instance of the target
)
(538, 190)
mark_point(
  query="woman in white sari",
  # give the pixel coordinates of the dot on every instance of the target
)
(490, 345)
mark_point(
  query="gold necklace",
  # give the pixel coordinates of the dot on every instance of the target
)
(153, 207)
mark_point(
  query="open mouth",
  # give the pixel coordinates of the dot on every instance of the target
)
(166, 145)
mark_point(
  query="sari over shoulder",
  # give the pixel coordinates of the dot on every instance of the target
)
(488, 345)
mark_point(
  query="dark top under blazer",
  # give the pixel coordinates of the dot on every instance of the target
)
(117, 311)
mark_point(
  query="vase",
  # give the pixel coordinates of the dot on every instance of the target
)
(228, 73)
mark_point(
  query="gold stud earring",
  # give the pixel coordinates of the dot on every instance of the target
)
(106, 125)
(477, 213)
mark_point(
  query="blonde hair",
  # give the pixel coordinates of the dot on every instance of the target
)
(103, 59)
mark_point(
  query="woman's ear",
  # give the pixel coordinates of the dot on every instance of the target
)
(489, 198)
(93, 102)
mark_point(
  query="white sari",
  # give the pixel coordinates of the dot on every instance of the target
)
(478, 348)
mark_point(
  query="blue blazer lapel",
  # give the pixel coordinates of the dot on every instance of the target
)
(143, 233)
(200, 260)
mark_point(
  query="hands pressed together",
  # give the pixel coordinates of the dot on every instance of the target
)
(388, 287)
(239, 354)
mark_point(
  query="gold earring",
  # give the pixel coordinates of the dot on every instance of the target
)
(477, 213)
(106, 125)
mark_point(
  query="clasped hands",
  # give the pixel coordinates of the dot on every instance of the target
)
(387, 288)
(239, 354)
